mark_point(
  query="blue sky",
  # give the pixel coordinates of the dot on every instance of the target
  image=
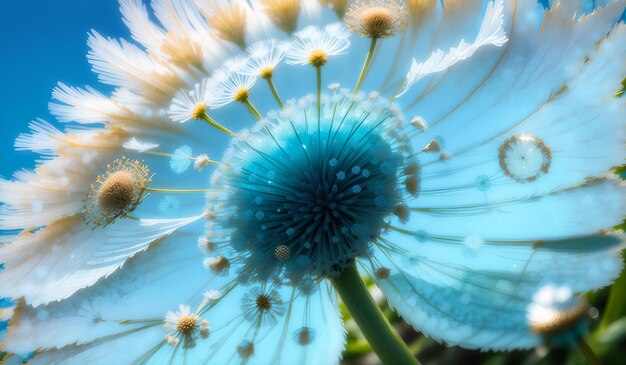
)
(44, 41)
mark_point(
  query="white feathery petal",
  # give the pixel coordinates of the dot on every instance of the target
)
(67, 255)
(44, 138)
(57, 190)
(139, 146)
(121, 63)
(183, 17)
(143, 30)
(491, 33)
(84, 105)
(200, 162)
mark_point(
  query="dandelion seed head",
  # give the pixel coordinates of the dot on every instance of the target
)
(262, 307)
(377, 18)
(318, 220)
(183, 325)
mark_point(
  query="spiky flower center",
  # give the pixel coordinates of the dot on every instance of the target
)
(309, 198)
(116, 192)
(199, 111)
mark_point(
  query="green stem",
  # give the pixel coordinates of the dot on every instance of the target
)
(587, 351)
(366, 65)
(215, 124)
(270, 82)
(156, 190)
(254, 111)
(159, 154)
(382, 337)
(319, 95)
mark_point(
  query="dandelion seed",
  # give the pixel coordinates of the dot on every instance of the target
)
(283, 13)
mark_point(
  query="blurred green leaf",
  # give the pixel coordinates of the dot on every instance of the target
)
(614, 333)
(616, 305)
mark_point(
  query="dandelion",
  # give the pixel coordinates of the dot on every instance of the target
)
(264, 57)
(201, 161)
(192, 104)
(117, 192)
(376, 18)
(185, 326)
(313, 46)
(463, 171)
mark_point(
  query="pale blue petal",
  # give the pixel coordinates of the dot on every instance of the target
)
(585, 209)
(478, 299)
(157, 281)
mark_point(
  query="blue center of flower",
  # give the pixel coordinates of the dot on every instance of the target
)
(305, 198)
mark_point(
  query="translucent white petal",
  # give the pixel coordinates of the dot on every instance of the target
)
(552, 92)
(84, 105)
(167, 274)
(56, 261)
(143, 30)
(44, 138)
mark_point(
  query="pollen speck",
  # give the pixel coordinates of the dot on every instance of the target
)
(282, 253)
